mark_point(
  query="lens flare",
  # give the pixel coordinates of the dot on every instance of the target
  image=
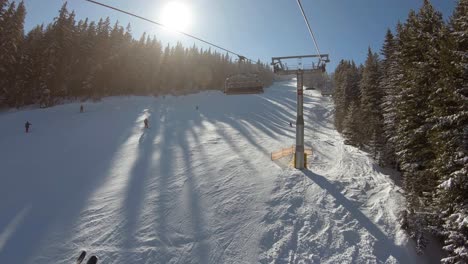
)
(176, 16)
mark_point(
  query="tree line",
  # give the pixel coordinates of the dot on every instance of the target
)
(409, 108)
(87, 59)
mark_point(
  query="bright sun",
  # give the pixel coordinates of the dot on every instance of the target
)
(176, 16)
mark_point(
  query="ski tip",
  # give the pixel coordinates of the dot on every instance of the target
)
(92, 260)
(81, 257)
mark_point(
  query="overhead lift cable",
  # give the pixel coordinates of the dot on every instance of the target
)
(308, 26)
(241, 58)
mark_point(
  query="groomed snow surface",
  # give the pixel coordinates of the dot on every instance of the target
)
(196, 187)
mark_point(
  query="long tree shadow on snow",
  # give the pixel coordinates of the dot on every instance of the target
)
(384, 247)
(197, 221)
(55, 200)
(285, 96)
(141, 170)
(272, 121)
(163, 190)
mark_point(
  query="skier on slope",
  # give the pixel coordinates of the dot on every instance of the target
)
(146, 123)
(81, 108)
(26, 126)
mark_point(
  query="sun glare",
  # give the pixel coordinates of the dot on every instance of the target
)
(176, 15)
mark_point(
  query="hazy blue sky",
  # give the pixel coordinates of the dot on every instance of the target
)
(260, 28)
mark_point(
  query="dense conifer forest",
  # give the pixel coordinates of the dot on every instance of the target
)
(84, 59)
(409, 109)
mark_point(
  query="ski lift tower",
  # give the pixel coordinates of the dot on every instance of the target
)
(305, 64)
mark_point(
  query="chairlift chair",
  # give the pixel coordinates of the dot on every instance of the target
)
(243, 83)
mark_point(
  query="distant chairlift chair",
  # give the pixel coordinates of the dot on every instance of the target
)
(243, 84)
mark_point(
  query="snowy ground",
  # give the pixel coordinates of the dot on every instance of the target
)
(197, 187)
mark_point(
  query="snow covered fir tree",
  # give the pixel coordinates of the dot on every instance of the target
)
(409, 109)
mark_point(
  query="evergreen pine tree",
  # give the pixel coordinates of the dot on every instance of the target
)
(32, 63)
(89, 66)
(450, 108)
(20, 67)
(371, 100)
(346, 80)
(352, 125)
(391, 77)
(58, 54)
(419, 47)
(3, 19)
(10, 52)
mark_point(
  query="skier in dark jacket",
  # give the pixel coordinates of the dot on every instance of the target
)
(27, 125)
(81, 108)
(146, 123)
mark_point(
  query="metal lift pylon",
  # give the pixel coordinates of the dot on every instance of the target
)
(279, 67)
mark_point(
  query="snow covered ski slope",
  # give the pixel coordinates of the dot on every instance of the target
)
(198, 186)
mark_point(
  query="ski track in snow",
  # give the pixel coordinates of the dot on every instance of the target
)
(196, 187)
